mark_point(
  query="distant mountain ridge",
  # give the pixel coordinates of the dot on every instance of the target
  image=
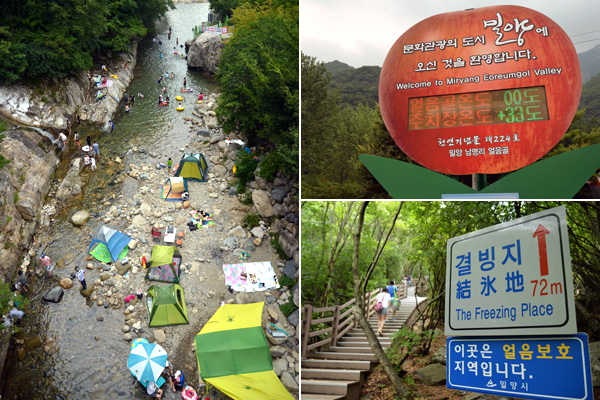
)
(589, 62)
(355, 85)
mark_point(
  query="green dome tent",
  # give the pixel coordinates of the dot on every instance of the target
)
(164, 264)
(192, 166)
(166, 306)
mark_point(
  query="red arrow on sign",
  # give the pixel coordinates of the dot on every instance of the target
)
(541, 233)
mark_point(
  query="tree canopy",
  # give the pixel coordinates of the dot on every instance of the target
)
(258, 74)
(52, 39)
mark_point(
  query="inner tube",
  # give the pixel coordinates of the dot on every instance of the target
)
(200, 101)
(180, 98)
(188, 393)
(180, 108)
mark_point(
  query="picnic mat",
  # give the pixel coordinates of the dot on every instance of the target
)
(259, 276)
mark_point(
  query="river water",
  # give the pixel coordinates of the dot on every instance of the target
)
(74, 349)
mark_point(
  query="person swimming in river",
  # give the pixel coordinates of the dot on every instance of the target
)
(160, 79)
(164, 89)
(160, 98)
(172, 75)
(127, 107)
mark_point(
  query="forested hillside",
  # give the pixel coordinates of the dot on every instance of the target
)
(50, 39)
(356, 85)
(258, 74)
(590, 98)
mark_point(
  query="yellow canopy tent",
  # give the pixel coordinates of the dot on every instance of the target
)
(233, 355)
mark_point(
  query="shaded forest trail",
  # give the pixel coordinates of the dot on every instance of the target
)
(339, 372)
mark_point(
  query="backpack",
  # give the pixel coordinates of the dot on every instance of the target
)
(379, 306)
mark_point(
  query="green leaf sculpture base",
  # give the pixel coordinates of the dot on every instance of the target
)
(558, 177)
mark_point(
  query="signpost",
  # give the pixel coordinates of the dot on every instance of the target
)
(511, 279)
(515, 279)
(485, 90)
(540, 367)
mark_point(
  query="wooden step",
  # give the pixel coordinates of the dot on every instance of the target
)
(337, 364)
(332, 374)
(331, 355)
(350, 389)
(359, 349)
(311, 396)
(357, 343)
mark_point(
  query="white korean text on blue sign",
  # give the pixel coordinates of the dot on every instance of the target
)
(530, 367)
(511, 279)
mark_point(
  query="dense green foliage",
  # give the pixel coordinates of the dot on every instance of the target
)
(52, 39)
(357, 85)
(258, 74)
(590, 98)
(246, 164)
(7, 302)
(224, 8)
(417, 247)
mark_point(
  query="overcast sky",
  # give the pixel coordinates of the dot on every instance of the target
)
(362, 32)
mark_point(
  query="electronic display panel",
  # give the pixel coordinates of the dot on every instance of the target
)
(504, 106)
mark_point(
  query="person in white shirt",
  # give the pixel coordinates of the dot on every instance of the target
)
(93, 162)
(385, 300)
(81, 277)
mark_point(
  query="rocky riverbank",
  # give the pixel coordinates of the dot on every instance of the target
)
(204, 251)
(53, 103)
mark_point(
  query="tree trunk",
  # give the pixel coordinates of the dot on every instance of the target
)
(359, 285)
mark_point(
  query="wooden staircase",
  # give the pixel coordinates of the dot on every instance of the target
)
(338, 370)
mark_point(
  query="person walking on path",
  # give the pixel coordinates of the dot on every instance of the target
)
(394, 300)
(89, 141)
(93, 162)
(112, 126)
(384, 299)
(96, 150)
(81, 277)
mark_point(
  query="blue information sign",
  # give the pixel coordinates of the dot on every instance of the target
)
(548, 367)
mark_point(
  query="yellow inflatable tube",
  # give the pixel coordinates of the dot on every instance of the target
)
(179, 98)
(180, 108)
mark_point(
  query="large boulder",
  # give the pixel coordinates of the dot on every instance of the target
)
(54, 295)
(279, 193)
(205, 53)
(72, 184)
(433, 374)
(80, 218)
(288, 242)
(262, 204)
(66, 283)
